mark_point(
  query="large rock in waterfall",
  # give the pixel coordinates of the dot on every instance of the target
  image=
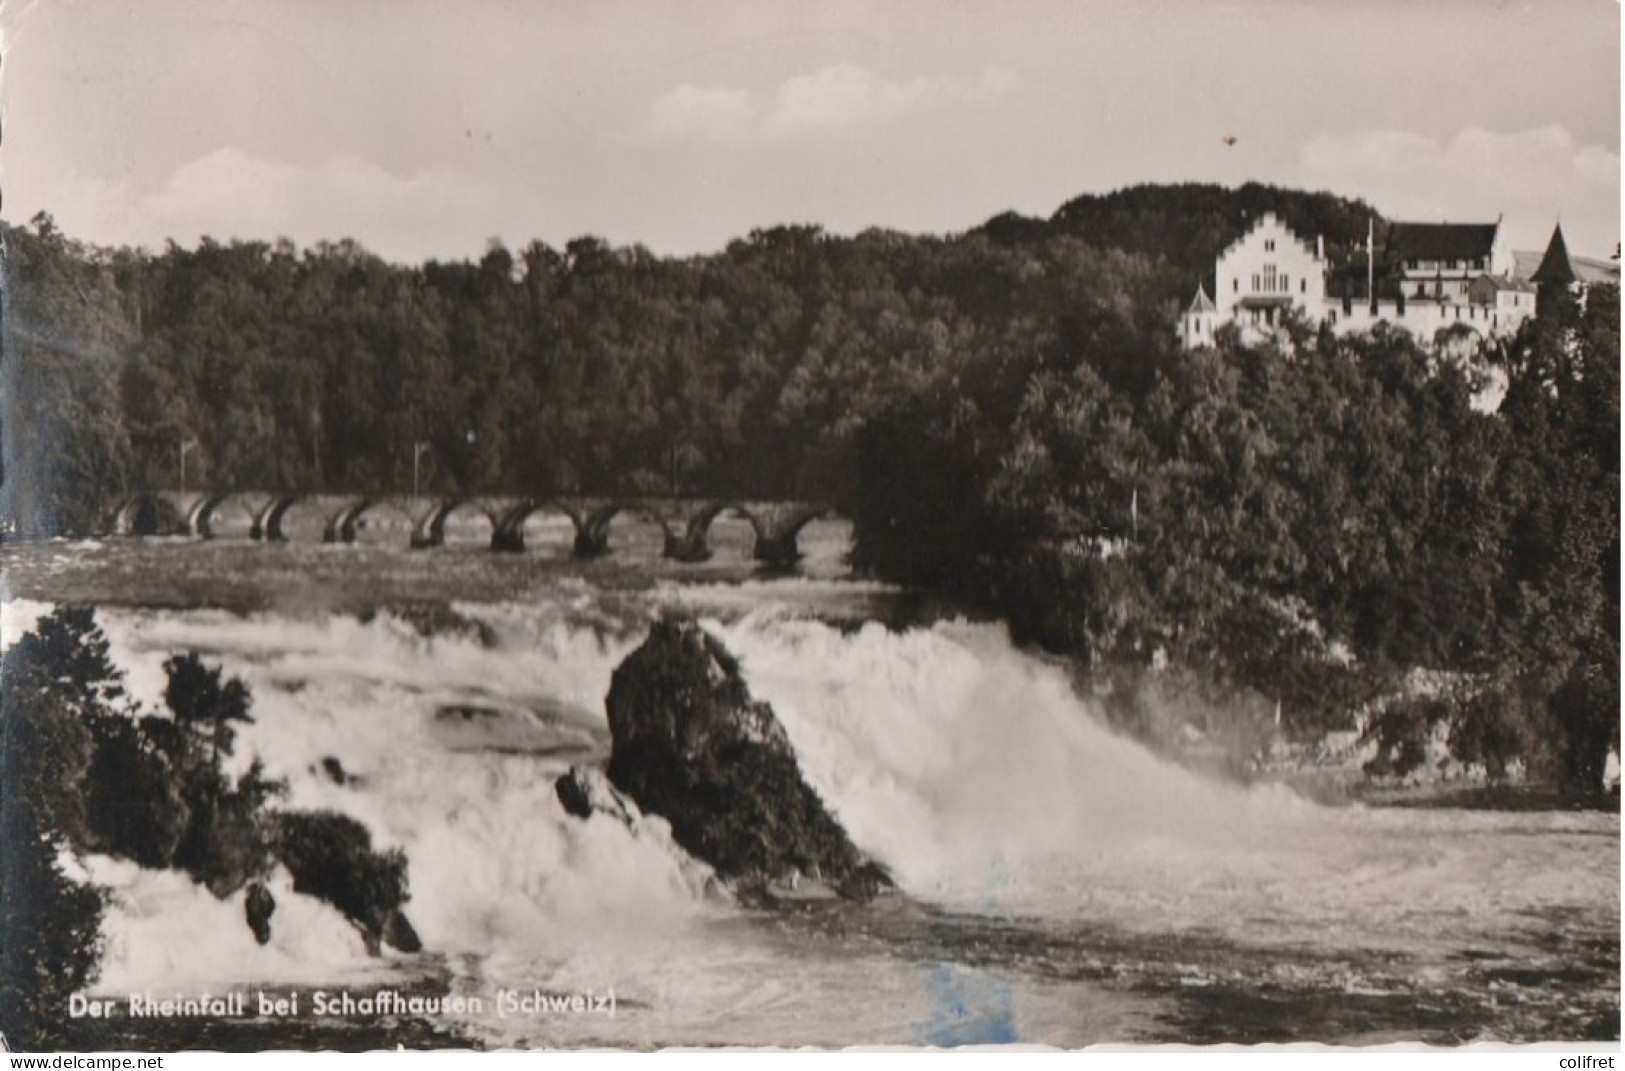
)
(691, 745)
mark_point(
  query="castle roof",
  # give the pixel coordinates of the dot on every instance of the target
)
(1555, 266)
(1441, 241)
(1508, 282)
(1201, 302)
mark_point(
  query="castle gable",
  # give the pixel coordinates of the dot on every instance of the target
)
(1267, 270)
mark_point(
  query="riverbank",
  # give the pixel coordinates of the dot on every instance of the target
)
(1346, 785)
(1233, 742)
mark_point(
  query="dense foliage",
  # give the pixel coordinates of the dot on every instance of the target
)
(1310, 521)
(50, 923)
(83, 770)
(1003, 414)
(330, 856)
(590, 368)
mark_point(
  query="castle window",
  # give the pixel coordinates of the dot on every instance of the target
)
(1269, 279)
(1303, 286)
(1269, 245)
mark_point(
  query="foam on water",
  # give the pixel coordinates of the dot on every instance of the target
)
(496, 867)
(980, 777)
(167, 934)
(17, 616)
(971, 769)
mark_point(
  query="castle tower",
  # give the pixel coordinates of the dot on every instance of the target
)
(1197, 324)
(1555, 266)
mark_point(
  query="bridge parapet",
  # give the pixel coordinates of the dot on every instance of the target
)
(426, 514)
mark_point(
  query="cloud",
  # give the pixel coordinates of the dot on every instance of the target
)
(702, 114)
(229, 193)
(1532, 177)
(837, 101)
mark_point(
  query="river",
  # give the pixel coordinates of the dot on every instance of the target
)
(1062, 885)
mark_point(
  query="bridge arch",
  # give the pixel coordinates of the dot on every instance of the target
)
(200, 520)
(694, 544)
(592, 538)
(430, 531)
(508, 526)
(149, 514)
(341, 525)
(267, 523)
(776, 539)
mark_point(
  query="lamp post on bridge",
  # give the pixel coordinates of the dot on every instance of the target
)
(417, 453)
(187, 446)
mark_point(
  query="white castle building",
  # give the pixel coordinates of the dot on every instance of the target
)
(1441, 276)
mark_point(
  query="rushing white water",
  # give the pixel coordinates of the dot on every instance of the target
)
(979, 776)
(971, 769)
(17, 617)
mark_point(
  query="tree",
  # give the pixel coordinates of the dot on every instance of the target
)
(50, 923)
(203, 705)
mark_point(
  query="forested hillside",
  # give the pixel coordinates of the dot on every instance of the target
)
(1308, 525)
(1003, 414)
(1185, 227)
(588, 368)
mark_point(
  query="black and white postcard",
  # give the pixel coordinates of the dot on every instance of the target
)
(932, 523)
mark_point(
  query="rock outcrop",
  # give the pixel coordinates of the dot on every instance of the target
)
(330, 856)
(259, 905)
(584, 791)
(331, 768)
(691, 745)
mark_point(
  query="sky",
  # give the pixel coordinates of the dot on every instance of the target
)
(426, 129)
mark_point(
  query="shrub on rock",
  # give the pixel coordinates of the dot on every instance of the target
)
(331, 857)
(133, 802)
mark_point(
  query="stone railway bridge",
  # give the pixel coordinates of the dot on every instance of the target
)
(685, 522)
